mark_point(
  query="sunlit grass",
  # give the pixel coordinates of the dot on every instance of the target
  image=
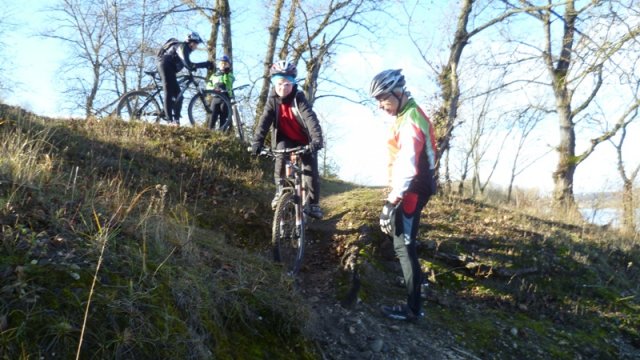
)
(107, 256)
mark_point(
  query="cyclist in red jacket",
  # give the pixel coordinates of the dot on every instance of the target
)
(290, 116)
(412, 160)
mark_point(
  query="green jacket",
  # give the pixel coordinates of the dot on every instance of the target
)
(221, 81)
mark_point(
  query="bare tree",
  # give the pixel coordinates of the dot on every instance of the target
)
(445, 118)
(327, 167)
(579, 68)
(133, 33)
(220, 19)
(5, 25)
(274, 31)
(486, 133)
(628, 180)
(525, 122)
(82, 26)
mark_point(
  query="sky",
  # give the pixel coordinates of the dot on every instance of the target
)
(357, 133)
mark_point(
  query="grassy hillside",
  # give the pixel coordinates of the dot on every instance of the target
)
(148, 242)
(162, 217)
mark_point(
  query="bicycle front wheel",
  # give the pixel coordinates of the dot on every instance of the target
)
(238, 122)
(139, 106)
(200, 109)
(287, 236)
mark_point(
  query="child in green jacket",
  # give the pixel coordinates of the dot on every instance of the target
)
(222, 82)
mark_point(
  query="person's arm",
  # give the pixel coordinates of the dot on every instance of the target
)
(264, 123)
(228, 80)
(311, 122)
(184, 51)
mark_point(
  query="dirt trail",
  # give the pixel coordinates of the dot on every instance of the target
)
(360, 331)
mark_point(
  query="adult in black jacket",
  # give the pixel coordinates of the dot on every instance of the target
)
(289, 130)
(172, 58)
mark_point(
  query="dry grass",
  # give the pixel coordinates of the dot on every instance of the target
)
(115, 245)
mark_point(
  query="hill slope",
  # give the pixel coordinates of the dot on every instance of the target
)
(162, 234)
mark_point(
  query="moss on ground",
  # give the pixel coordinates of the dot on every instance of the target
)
(184, 217)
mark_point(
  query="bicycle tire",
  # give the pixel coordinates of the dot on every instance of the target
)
(139, 105)
(199, 110)
(288, 239)
(238, 122)
(190, 92)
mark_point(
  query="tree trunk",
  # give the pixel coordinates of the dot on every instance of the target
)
(628, 209)
(565, 170)
(213, 36)
(449, 81)
(225, 22)
(274, 30)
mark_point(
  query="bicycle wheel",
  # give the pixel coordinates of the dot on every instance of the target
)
(287, 237)
(190, 91)
(200, 107)
(238, 122)
(139, 105)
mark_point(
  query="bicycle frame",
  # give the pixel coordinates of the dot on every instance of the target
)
(294, 175)
(288, 236)
(184, 82)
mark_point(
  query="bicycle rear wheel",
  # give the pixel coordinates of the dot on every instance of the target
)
(139, 106)
(287, 237)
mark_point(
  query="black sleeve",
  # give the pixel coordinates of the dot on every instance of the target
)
(266, 120)
(310, 119)
(184, 51)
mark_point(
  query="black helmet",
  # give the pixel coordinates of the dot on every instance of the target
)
(282, 67)
(194, 36)
(385, 82)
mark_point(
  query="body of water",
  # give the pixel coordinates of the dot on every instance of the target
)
(606, 216)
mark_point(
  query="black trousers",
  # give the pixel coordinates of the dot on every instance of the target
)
(219, 111)
(172, 104)
(311, 176)
(407, 222)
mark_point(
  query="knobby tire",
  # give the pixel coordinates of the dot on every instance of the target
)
(287, 239)
(238, 122)
(199, 110)
(139, 105)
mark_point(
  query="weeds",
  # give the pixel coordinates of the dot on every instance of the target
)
(160, 286)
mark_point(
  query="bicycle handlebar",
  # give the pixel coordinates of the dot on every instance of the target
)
(296, 150)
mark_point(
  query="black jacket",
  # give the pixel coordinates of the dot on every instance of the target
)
(270, 116)
(178, 56)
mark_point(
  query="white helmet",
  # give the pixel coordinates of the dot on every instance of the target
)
(194, 36)
(385, 82)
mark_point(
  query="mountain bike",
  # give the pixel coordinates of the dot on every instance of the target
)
(146, 104)
(292, 208)
(201, 107)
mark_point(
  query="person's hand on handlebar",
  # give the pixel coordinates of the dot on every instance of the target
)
(255, 148)
(315, 146)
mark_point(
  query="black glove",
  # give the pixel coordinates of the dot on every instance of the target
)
(315, 146)
(210, 65)
(388, 218)
(256, 148)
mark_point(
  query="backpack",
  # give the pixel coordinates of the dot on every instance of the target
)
(169, 43)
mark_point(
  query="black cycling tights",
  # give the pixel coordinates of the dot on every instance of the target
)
(172, 105)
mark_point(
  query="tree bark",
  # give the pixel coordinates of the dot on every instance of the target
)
(274, 30)
(225, 22)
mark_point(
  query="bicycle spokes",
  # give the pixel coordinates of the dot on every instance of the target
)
(288, 236)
